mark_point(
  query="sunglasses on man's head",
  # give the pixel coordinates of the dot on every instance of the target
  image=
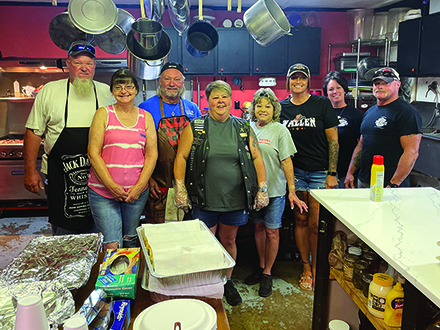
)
(80, 47)
(388, 74)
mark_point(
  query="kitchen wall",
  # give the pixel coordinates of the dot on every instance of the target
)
(25, 33)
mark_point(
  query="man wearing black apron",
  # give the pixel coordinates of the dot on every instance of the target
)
(63, 112)
(171, 114)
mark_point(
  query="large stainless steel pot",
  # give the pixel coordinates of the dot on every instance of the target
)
(62, 32)
(113, 41)
(144, 63)
(266, 22)
(178, 11)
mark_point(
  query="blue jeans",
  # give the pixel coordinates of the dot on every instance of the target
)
(270, 215)
(212, 218)
(117, 221)
(306, 180)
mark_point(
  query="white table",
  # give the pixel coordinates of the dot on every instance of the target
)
(403, 229)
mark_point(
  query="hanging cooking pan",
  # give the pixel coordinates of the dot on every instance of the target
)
(266, 22)
(62, 32)
(93, 16)
(178, 11)
(147, 6)
(147, 33)
(113, 41)
(202, 37)
(158, 10)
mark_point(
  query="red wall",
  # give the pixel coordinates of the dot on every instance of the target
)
(25, 34)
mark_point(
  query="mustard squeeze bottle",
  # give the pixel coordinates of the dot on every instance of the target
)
(377, 178)
(394, 306)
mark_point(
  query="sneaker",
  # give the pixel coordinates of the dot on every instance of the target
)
(255, 277)
(232, 296)
(265, 286)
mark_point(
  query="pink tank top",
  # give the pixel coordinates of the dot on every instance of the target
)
(123, 151)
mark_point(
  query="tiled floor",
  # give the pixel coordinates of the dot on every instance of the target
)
(287, 308)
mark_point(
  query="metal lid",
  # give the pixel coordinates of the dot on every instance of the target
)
(357, 251)
(93, 16)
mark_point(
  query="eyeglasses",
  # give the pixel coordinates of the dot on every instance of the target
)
(128, 88)
(264, 94)
(80, 47)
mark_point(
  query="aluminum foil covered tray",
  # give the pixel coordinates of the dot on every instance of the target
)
(66, 259)
(207, 275)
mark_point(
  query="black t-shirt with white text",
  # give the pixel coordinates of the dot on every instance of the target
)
(307, 123)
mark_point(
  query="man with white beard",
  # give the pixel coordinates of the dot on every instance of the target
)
(62, 113)
(171, 113)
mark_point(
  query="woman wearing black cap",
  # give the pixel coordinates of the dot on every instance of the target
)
(312, 124)
(349, 129)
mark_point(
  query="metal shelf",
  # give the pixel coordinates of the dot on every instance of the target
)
(356, 47)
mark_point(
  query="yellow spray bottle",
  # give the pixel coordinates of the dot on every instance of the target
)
(377, 178)
(394, 306)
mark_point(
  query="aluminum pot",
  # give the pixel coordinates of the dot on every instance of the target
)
(266, 22)
(147, 33)
(62, 32)
(202, 38)
(113, 41)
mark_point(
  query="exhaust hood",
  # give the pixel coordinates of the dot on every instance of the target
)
(52, 65)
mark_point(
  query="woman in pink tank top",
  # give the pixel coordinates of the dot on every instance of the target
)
(123, 154)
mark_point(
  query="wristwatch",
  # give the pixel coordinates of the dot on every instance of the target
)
(331, 173)
(263, 189)
(393, 185)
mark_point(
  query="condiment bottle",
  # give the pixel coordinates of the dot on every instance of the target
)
(377, 178)
(377, 294)
(349, 261)
(360, 267)
(394, 306)
(16, 88)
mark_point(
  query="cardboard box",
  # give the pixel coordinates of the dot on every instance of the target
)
(118, 273)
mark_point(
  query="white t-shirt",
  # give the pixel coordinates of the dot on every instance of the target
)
(47, 114)
(276, 145)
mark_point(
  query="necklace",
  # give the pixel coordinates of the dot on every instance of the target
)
(340, 114)
(176, 107)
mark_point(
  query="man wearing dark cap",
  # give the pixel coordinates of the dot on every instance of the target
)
(391, 128)
(171, 114)
(62, 113)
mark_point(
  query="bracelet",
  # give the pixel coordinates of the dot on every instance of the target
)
(331, 173)
(393, 185)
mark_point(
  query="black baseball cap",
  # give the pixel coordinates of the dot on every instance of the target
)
(171, 65)
(386, 74)
(78, 47)
(298, 67)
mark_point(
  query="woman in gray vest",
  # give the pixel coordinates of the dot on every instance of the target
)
(220, 173)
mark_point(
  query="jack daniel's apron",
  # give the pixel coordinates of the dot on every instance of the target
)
(68, 172)
(169, 130)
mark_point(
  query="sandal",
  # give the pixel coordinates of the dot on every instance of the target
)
(306, 282)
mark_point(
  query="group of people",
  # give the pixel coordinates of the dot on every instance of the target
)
(106, 160)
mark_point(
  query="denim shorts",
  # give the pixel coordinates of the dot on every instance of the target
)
(212, 218)
(270, 215)
(306, 180)
(115, 220)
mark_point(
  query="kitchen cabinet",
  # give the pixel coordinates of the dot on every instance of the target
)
(205, 66)
(233, 51)
(419, 46)
(270, 60)
(388, 228)
(304, 46)
(176, 44)
(409, 45)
